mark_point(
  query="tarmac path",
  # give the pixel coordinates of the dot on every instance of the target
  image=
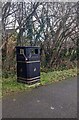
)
(58, 100)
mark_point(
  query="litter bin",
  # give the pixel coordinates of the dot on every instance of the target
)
(28, 64)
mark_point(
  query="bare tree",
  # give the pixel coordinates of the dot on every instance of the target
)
(52, 25)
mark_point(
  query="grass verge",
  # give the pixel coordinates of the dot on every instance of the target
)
(10, 84)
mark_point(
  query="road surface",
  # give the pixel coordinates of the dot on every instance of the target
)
(58, 100)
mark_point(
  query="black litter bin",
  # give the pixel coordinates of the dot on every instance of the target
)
(28, 64)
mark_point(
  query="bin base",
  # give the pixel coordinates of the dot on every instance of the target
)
(26, 81)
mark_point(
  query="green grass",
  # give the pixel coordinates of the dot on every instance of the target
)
(55, 76)
(10, 84)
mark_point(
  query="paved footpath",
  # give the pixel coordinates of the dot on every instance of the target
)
(58, 100)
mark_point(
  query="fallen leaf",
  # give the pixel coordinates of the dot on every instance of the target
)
(61, 107)
(14, 100)
(38, 101)
(52, 108)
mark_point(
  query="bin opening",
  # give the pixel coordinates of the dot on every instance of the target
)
(34, 51)
(22, 51)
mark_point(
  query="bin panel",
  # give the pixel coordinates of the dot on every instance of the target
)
(33, 69)
(20, 54)
(21, 70)
(33, 54)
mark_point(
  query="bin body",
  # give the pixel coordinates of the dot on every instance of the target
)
(28, 64)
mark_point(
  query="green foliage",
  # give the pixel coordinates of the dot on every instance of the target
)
(47, 78)
(11, 85)
(7, 74)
